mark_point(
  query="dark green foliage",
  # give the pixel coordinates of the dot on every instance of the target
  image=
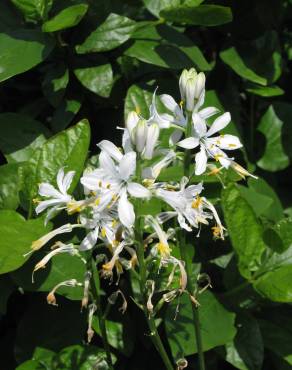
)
(70, 71)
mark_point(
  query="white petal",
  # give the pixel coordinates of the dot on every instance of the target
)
(227, 142)
(89, 241)
(200, 126)
(60, 179)
(48, 203)
(151, 140)
(154, 115)
(127, 165)
(201, 161)
(138, 191)
(132, 121)
(91, 180)
(126, 211)
(126, 141)
(47, 190)
(67, 180)
(111, 149)
(107, 164)
(208, 112)
(169, 102)
(189, 143)
(175, 137)
(219, 124)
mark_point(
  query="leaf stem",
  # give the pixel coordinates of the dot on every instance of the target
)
(95, 286)
(188, 262)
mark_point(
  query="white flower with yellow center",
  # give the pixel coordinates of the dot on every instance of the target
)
(210, 147)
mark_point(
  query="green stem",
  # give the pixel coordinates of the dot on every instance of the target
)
(95, 285)
(143, 277)
(188, 261)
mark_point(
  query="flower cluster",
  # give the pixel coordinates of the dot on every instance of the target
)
(111, 211)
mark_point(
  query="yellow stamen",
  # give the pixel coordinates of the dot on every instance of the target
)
(216, 231)
(217, 157)
(137, 109)
(181, 103)
(74, 207)
(103, 232)
(197, 202)
(163, 249)
(36, 201)
(232, 145)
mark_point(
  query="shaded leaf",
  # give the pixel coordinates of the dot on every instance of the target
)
(55, 83)
(265, 91)
(203, 15)
(9, 186)
(33, 10)
(29, 46)
(65, 113)
(6, 288)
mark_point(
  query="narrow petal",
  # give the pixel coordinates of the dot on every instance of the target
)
(89, 241)
(151, 140)
(138, 191)
(47, 190)
(169, 102)
(227, 142)
(208, 112)
(68, 180)
(219, 124)
(107, 164)
(60, 178)
(201, 161)
(155, 117)
(188, 143)
(111, 149)
(91, 180)
(126, 211)
(127, 165)
(200, 126)
(48, 203)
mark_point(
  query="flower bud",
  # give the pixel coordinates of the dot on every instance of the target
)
(183, 81)
(200, 84)
(132, 121)
(140, 135)
(151, 140)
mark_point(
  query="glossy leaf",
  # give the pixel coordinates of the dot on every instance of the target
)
(33, 10)
(155, 6)
(244, 230)
(29, 46)
(274, 158)
(180, 332)
(17, 234)
(98, 79)
(20, 136)
(68, 17)
(203, 15)
(67, 149)
(113, 32)
(265, 91)
(137, 100)
(9, 186)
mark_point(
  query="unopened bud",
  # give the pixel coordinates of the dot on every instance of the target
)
(132, 121)
(140, 135)
(199, 85)
(151, 140)
(183, 81)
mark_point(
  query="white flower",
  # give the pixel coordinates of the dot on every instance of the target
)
(192, 88)
(210, 146)
(58, 198)
(119, 179)
(162, 247)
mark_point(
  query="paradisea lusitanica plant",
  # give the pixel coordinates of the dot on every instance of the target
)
(119, 233)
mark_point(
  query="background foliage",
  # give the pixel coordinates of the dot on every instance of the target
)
(71, 70)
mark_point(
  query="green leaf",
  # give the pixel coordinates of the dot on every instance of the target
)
(203, 15)
(20, 136)
(9, 186)
(164, 46)
(137, 100)
(284, 230)
(265, 91)
(55, 83)
(33, 10)
(81, 358)
(244, 230)
(277, 339)
(120, 335)
(30, 365)
(68, 17)
(97, 79)
(17, 234)
(62, 267)
(113, 32)
(274, 157)
(49, 327)
(155, 6)
(66, 149)
(258, 61)
(65, 113)
(181, 332)
(30, 47)
(246, 352)
(234, 60)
